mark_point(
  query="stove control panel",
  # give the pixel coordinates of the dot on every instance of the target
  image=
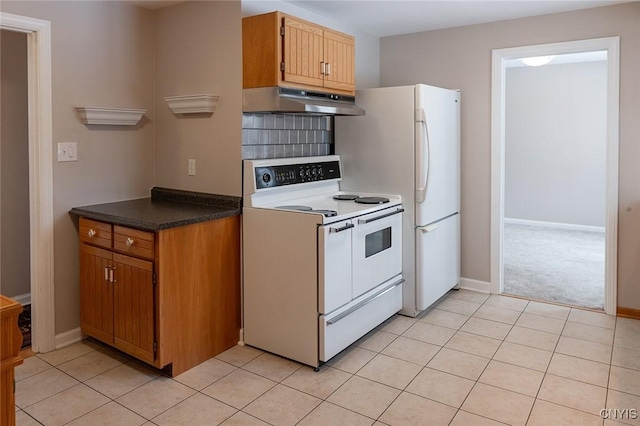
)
(291, 174)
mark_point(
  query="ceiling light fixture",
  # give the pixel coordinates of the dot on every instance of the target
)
(536, 61)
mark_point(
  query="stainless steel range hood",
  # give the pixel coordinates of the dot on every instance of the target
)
(284, 100)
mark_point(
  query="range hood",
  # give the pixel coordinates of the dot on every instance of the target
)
(285, 100)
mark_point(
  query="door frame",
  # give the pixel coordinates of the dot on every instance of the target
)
(498, 73)
(40, 175)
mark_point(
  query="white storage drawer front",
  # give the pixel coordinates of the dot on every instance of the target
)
(339, 330)
(438, 268)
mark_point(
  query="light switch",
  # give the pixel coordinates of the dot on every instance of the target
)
(192, 167)
(67, 151)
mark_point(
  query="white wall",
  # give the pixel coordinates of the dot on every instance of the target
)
(461, 58)
(555, 143)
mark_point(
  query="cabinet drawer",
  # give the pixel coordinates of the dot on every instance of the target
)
(133, 241)
(95, 233)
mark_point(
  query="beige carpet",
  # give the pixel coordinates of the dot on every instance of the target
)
(556, 265)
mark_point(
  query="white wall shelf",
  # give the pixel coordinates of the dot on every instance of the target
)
(192, 104)
(110, 116)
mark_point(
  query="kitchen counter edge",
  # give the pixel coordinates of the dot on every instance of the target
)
(165, 209)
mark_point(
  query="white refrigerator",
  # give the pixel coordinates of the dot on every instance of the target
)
(408, 143)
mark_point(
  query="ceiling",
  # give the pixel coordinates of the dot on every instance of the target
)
(393, 17)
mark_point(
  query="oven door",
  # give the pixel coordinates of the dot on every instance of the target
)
(334, 265)
(377, 249)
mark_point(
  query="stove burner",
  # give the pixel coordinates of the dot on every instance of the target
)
(372, 200)
(298, 208)
(327, 213)
(345, 197)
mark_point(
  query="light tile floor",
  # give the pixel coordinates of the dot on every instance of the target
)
(474, 359)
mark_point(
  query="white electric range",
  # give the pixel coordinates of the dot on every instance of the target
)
(321, 267)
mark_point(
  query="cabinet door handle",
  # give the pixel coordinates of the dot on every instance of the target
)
(106, 273)
(323, 68)
(328, 68)
(373, 219)
(91, 233)
(111, 279)
(129, 242)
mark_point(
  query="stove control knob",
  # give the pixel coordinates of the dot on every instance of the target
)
(266, 178)
(320, 171)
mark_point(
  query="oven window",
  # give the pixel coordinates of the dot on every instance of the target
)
(377, 242)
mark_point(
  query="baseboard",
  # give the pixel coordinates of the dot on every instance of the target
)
(23, 299)
(628, 313)
(68, 338)
(475, 285)
(571, 226)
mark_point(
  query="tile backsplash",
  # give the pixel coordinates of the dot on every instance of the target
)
(285, 135)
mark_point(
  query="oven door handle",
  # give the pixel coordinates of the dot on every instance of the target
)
(373, 219)
(344, 228)
(364, 302)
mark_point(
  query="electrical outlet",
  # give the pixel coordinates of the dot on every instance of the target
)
(192, 167)
(67, 151)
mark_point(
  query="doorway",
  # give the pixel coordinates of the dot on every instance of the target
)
(555, 174)
(14, 181)
(501, 58)
(40, 155)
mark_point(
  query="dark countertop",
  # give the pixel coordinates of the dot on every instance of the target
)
(166, 208)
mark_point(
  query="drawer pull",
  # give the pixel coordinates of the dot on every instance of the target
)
(129, 242)
(91, 233)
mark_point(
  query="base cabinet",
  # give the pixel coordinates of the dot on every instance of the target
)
(10, 343)
(167, 298)
(117, 300)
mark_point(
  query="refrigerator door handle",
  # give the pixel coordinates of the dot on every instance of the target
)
(428, 228)
(424, 151)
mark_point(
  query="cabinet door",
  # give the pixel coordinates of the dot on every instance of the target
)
(302, 52)
(96, 293)
(339, 54)
(133, 306)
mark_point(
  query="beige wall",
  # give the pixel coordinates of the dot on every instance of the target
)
(115, 54)
(102, 55)
(198, 51)
(461, 58)
(14, 168)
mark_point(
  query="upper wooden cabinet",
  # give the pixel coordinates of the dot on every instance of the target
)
(281, 50)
